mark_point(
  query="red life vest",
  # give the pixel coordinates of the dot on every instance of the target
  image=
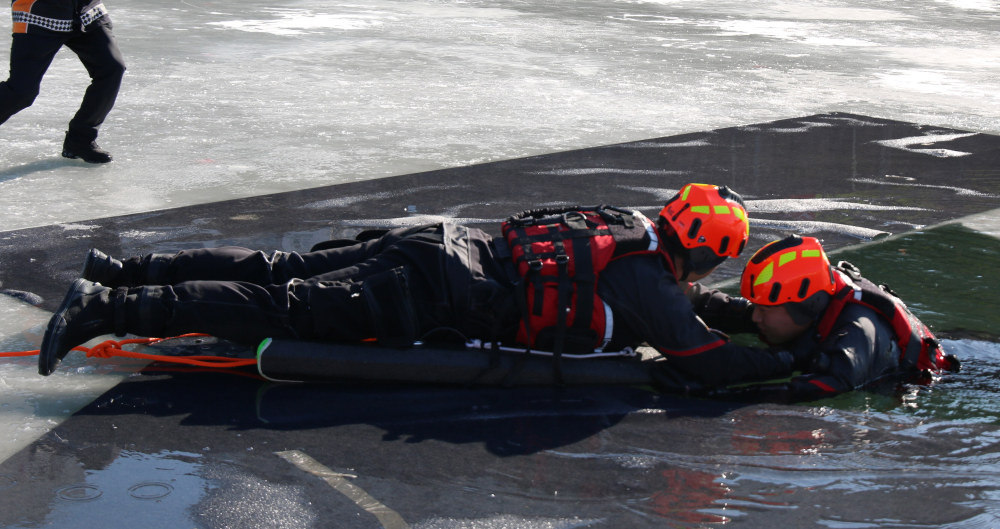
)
(919, 349)
(559, 253)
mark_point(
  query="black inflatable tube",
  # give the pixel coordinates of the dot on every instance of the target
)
(292, 360)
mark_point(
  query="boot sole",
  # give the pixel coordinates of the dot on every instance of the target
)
(71, 156)
(53, 350)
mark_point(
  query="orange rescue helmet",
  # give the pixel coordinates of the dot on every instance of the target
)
(710, 222)
(792, 270)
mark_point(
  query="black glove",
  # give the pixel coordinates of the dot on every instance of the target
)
(719, 310)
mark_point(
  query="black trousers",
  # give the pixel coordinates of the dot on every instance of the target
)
(245, 296)
(30, 57)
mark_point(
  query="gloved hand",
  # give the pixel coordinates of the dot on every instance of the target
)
(786, 360)
(733, 315)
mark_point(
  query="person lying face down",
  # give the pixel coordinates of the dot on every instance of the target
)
(567, 280)
(843, 330)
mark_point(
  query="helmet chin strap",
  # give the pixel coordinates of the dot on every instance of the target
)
(668, 237)
(687, 268)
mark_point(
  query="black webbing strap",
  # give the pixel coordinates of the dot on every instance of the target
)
(522, 305)
(562, 235)
(586, 286)
(565, 287)
(494, 353)
(121, 294)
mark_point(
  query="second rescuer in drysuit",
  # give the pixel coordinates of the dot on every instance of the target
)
(567, 280)
(843, 331)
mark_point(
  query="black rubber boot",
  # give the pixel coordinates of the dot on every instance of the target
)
(88, 151)
(88, 311)
(101, 268)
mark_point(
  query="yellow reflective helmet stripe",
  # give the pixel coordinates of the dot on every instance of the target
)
(765, 275)
(739, 213)
(721, 210)
(811, 253)
(701, 209)
(684, 194)
(786, 257)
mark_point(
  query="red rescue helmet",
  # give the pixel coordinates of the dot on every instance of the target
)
(710, 223)
(793, 270)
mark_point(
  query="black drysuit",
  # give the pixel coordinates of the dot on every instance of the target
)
(455, 280)
(862, 347)
(41, 27)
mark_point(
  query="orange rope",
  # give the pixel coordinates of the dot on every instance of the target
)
(113, 348)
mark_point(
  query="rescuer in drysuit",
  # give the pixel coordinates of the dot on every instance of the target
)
(607, 278)
(41, 28)
(843, 331)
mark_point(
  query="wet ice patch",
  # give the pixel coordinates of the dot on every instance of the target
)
(416, 220)
(811, 226)
(803, 33)
(806, 125)
(241, 499)
(662, 145)
(818, 12)
(958, 190)
(904, 144)
(301, 21)
(340, 202)
(658, 192)
(972, 5)
(927, 81)
(504, 521)
(78, 227)
(581, 171)
(798, 205)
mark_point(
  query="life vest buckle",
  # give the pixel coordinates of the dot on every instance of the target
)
(849, 269)
(535, 264)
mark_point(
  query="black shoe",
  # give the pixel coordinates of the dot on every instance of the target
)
(88, 311)
(100, 268)
(88, 151)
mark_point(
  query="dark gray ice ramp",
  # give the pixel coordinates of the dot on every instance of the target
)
(446, 456)
(830, 175)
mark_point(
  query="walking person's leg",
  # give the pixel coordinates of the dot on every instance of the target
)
(30, 57)
(99, 53)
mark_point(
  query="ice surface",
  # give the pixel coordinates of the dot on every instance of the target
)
(225, 99)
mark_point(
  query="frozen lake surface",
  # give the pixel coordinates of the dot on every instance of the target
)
(225, 100)
(232, 99)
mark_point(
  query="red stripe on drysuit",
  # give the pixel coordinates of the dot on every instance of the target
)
(689, 352)
(822, 386)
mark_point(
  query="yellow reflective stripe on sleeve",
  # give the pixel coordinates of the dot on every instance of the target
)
(721, 210)
(701, 209)
(810, 253)
(786, 258)
(765, 275)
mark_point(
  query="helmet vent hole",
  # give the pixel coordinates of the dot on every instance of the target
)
(724, 246)
(682, 210)
(742, 245)
(752, 277)
(804, 288)
(775, 292)
(695, 226)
